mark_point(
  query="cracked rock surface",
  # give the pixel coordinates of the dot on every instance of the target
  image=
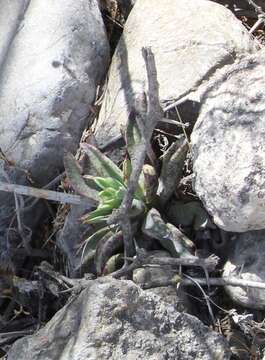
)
(50, 67)
(114, 319)
(186, 54)
(228, 146)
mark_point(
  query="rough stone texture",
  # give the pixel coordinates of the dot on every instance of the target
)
(52, 56)
(186, 53)
(117, 320)
(48, 81)
(246, 261)
(170, 294)
(11, 15)
(228, 146)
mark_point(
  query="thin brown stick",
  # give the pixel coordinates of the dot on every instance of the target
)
(225, 281)
(146, 120)
(257, 8)
(141, 260)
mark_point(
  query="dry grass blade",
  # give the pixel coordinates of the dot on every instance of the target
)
(42, 194)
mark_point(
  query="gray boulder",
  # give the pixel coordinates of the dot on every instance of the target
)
(246, 261)
(187, 53)
(228, 146)
(170, 294)
(48, 80)
(114, 319)
(53, 55)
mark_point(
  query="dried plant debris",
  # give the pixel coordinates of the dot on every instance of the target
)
(172, 169)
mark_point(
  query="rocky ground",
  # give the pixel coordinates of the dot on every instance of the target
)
(132, 208)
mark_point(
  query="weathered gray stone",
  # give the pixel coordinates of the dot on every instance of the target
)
(48, 81)
(170, 294)
(11, 15)
(53, 55)
(246, 261)
(228, 146)
(186, 53)
(113, 320)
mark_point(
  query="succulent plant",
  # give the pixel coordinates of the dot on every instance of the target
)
(107, 187)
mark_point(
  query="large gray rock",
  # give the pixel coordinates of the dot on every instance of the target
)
(115, 319)
(170, 294)
(11, 15)
(246, 261)
(53, 55)
(228, 146)
(186, 52)
(48, 80)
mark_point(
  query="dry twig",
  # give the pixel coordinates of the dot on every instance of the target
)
(257, 8)
(142, 259)
(40, 193)
(146, 117)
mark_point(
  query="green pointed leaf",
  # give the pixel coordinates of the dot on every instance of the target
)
(96, 220)
(101, 211)
(90, 245)
(77, 182)
(104, 183)
(101, 164)
(90, 182)
(107, 194)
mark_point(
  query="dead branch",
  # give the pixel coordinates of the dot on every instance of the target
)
(43, 194)
(143, 259)
(225, 281)
(257, 8)
(146, 117)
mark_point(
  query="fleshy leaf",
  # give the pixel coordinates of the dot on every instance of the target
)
(91, 243)
(171, 172)
(169, 236)
(107, 246)
(114, 263)
(77, 182)
(101, 164)
(107, 194)
(189, 214)
(90, 182)
(101, 211)
(104, 183)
